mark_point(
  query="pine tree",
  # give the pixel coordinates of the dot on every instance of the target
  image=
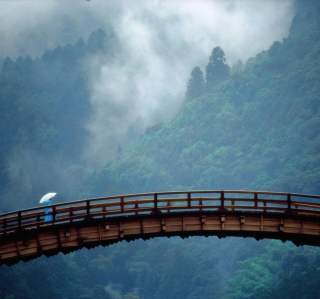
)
(195, 85)
(216, 70)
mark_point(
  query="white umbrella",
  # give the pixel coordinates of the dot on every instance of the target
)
(47, 197)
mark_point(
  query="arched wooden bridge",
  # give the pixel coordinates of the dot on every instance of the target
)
(24, 235)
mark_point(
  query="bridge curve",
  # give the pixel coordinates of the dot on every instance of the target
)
(24, 235)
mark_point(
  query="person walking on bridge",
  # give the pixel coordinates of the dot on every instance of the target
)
(48, 210)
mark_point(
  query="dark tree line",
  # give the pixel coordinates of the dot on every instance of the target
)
(217, 71)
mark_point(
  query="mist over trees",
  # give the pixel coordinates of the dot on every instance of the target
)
(45, 109)
(217, 71)
(254, 125)
(195, 85)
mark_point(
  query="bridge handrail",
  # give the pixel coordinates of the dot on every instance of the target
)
(159, 202)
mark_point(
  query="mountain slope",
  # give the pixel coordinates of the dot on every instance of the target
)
(259, 129)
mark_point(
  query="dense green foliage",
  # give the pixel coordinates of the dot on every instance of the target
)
(217, 70)
(44, 110)
(256, 129)
(195, 85)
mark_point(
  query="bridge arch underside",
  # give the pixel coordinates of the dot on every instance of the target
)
(26, 245)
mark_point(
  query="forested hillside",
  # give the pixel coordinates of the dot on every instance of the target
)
(254, 125)
(45, 106)
(258, 129)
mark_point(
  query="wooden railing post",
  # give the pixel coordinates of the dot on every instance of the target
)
(38, 220)
(122, 204)
(4, 225)
(155, 199)
(289, 203)
(53, 214)
(19, 220)
(71, 214)
(88, 210)
(255, 200)
(222, 201)
(155, 203)
(189, 200)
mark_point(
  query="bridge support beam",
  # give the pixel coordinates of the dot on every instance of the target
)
(50, 240)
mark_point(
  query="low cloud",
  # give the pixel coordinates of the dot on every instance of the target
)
(144, 81)
(161, 41)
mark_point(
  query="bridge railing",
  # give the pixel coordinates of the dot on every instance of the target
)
(162, 203)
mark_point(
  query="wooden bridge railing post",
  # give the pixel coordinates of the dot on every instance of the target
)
(155, 202)
(38, 220)
(289, 203)
(255, 200)
(4, 225)
(53, 214)
(71, 214)
(222, 201)
(136, 207)
(88, 209)
(19, 220)
(189, 200)
(122, 204)
(155, 199)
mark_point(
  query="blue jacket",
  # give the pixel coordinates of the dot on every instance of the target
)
(48, 210)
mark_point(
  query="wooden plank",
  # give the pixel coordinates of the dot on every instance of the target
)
(213, 227)
(131, 225)
(292, 223)
(272, 229)
(154, 229)
(189, 227)
(233, 226)
(311, 225)
(192, 221)
(8, 249)
(252, 228)
(151, 224)
(88, 230)
(29, 251)
(213, 221)
(105, 235)
(48, 242)
(27, 243)
(111, 238)
(175, 220)
(310, 232)
(50, 247)
(291, 230)
(90, 236)
(9, 255)
(70, 244)
(132, 231)
(47, 236)
(3, 246)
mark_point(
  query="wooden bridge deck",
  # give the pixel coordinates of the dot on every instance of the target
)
(24, 235)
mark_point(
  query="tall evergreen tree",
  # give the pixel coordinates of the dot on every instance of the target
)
(216, 70)
(195, 85)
